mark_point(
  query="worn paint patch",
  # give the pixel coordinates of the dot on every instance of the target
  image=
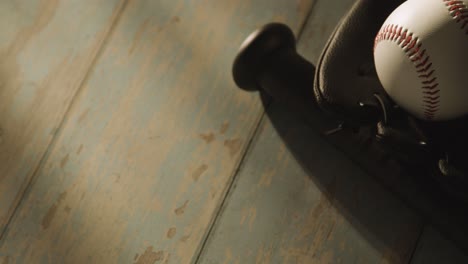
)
(213, 192)
(138, 34)
(83, 115)
(318, 210)
(175, 19)
(266, 178)
(184, 238)
(327, 257)
(150, 256)
(117, 177)
(224, 128)
(1, 135)
(208, 138)
(181, 210)
(302, 6)
(67, 209)
(233, 145)
(156, 204)
(64, 161)
(78, 152)
(5, 260)
(313, 226)
(279, 18)
(166, 261)
(250, 214)
(228, 255)
(47, 220)
(331, 228)
(171, 232)
(264, 255)
(199, 171)
(295, 253)
(46, 13)
(253, 216)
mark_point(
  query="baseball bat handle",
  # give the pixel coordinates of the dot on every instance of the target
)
(268, 61)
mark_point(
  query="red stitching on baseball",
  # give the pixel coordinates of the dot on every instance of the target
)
(431, 92)
(427, 75)
(459, 12)
(431, 87)
(429, 81)
(419, 56)
(413, 48)
(424, 63)
(431, 99)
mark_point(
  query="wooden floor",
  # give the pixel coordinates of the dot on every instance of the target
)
(123, 139)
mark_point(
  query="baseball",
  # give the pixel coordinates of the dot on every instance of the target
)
(421, 57)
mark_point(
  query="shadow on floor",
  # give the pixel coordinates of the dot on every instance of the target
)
(366, 202)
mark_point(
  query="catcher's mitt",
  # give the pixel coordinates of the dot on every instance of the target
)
(345, 86)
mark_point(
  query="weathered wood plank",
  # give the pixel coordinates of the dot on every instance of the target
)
(298, 200)
(144, 158)
(46, 48)
(433, 248)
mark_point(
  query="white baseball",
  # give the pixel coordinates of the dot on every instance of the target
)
(421, 58)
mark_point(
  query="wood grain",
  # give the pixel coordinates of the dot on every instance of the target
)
(299, 200)
(46, 49)
(151, 142)
(434, 248)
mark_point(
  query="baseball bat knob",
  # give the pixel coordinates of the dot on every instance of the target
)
(257, 50)
(268, 61)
